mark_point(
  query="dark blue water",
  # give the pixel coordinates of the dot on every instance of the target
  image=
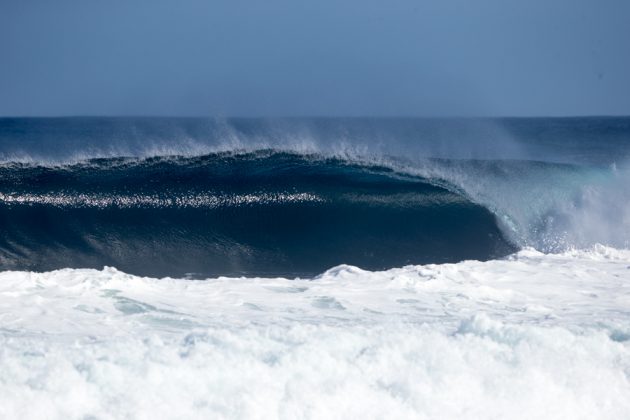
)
(203, 198)
(264, 213)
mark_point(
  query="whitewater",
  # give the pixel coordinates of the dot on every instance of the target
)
(532, 336)
(499, 280)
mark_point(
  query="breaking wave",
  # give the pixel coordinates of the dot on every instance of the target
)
(251, 213)
(202, 198)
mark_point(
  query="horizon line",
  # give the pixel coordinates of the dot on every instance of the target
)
(314, 116)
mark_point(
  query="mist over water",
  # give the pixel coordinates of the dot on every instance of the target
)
(73, 139)
(598, 141)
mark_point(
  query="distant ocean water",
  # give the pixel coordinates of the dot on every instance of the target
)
(446, 268)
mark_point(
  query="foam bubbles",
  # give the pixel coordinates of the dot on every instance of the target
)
(533, 336)
(211, 201)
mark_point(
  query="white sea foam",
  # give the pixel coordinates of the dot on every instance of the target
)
(532, 336)
(549, 207)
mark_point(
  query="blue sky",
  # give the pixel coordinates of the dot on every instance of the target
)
(325, 58)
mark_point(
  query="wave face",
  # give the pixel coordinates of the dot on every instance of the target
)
(202, 197)
(262, 213)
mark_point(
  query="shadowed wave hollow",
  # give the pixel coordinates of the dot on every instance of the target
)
(262, 213)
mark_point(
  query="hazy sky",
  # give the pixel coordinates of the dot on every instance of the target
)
(318, 57)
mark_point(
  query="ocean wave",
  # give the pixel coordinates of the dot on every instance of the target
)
(264, 212)
(377, 193)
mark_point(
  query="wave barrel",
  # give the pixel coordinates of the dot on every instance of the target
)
(264, 213)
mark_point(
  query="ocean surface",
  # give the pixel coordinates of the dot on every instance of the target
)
(315, 268)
